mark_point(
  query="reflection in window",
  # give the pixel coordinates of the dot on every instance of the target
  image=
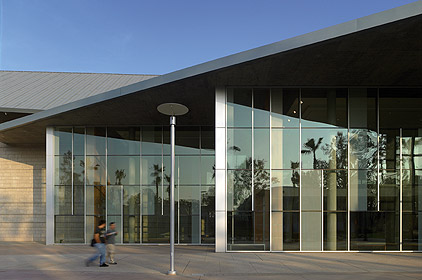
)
(324, 148)
(324, 107)
(123, 140)
(284, 107)
(261, 105)
(239, 145)
(239, 107)
(285, 148)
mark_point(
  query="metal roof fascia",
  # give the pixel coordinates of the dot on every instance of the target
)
(374, 20)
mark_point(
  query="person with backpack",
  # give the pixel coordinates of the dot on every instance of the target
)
(99, 242)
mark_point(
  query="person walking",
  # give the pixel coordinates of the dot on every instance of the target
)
(100, 242)
(111, 241)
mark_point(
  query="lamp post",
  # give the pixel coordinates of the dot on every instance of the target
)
(172, 110)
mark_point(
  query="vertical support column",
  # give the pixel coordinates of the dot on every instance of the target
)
(49, 196)
(332, 181)
(173, 138)
(220, 170)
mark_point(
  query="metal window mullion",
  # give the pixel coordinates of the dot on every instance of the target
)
(252, 160)
(271, 200)
(85, 190)
(348, 169)
(106, 182)
(140, 188)
(178, 199)
(322, 210)
(300, 170)
(226, 178)
(121, 213)
(401, 190)
(378, 149)
(200, 185)
(162, 171)
(72, 199)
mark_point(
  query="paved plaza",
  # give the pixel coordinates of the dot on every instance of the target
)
(37, 261)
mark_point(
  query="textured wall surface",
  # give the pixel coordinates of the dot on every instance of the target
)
(22, 193)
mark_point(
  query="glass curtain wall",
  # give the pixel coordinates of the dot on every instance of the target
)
(122, 175)
(324, 169)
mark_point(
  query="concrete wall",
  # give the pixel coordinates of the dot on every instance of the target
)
(22, 193)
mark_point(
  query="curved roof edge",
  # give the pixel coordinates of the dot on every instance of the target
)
(374, 20)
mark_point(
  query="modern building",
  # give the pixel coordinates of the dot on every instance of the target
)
(313, 143)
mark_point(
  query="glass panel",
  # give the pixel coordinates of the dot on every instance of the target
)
(96, 170)
(208, 214)
(311, 231)
(262, 226)
(189, 210)
(262, 205)
(207, 170)
(152, 141)
(78, 200)
(363, 190)
(239, 107)
(95, 141)
(284, 148)
(363, 149)
(240, 231)
(239, 190)
(389, 188)
(335, 231)
(187, 140)
(78, 170)
(389, 141)
(324, 107)
(151, 170)
(62, 200)
(63, 170)
(166, 141)
(114, 200)
(400, 108)
(239, 146)
(207, 140)
(285, 190)
(95, 201)
(324, 148)
(261, 104)
(291, 233)
(123, 140)
(188, 170)
(63, 141)
(261, 148)
(79, 141)
(284, 107)
(285, 231)
(131, 214)
(363, 108)
(151, 203)
(335, 190)
(374, 231)
(311, 189)
(69, 229)
(412, 231)
(412, 190)
(123, 170)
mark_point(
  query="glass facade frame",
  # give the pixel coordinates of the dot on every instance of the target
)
(345, 214)
(118, 195)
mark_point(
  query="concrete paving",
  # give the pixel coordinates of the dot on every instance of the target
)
(37, 261)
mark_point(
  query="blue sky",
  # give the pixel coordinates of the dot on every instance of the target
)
(156, 37)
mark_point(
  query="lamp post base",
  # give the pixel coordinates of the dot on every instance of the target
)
(171, 272)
